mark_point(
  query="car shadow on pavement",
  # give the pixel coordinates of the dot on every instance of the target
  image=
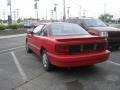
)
(114, 49)
(84, 69)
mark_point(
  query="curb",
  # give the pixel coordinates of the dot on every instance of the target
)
(12, 36)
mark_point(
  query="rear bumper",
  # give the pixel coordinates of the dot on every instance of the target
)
(78, 60)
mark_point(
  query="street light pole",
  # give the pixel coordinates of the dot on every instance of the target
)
(10, 11)
(46, 16)
(104, 8)
(104, 11)
(9, 16)
(36, 8)
(80, 11)
(17, 10)
(68, 12)
(55, 10)
(52, 15)
(84, 13)
(64, 16)
(4, 13)
(37, 13)
(14, 16)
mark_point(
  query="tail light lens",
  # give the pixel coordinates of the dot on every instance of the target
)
(62, 48)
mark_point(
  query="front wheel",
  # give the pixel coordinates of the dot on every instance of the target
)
(45, 61)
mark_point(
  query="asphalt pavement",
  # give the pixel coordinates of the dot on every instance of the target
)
(22, 71)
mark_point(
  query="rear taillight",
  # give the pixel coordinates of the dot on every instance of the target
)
(62, 48)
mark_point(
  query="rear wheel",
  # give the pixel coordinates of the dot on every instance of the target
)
(27, 48)
(115, 47)
(45, 61)
(90, 66)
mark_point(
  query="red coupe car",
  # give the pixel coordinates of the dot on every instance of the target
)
(66, 45)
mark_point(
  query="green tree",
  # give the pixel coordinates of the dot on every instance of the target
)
(19, 20)
(106, 17)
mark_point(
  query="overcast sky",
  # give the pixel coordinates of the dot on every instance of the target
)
(93, 7)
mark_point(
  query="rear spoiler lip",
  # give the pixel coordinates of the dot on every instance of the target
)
(75, 39)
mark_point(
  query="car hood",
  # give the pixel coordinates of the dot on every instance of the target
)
(104, 28)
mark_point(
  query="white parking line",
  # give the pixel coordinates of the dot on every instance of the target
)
(6, 50)
(12, 36)
(21, 71)
(117, 64)
(4, 53)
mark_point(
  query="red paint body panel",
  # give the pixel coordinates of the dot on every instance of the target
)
(66, 59)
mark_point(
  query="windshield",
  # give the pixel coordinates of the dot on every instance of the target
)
(94, 23)
(67, 29)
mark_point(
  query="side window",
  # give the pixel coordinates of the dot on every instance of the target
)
(44, 31)
(38, 29)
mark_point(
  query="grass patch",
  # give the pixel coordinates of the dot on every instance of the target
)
(12, 32)
(13, 26)
(2, 27)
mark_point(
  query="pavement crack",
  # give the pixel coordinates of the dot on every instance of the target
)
(28, 81)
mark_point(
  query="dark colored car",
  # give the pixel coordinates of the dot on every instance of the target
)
(97, 27)
(66, 45)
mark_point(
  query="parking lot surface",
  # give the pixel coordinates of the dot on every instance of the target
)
(22, 71)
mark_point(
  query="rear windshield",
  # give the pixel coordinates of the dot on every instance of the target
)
(67, 29)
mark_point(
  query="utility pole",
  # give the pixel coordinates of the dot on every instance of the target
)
(68, 11)
(55, 10)
(64, 15)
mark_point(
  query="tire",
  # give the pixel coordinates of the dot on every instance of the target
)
(45, 61)
(90, 66)
(27, 48)
(115, 47)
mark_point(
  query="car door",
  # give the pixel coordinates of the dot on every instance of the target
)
(40, 39)
(33, 38)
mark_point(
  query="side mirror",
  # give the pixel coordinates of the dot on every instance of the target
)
(30, 31)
